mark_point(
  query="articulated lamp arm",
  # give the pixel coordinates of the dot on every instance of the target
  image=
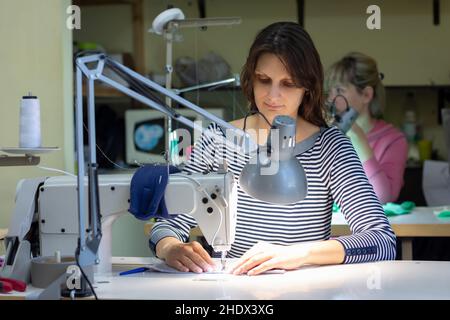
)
(257, 177)
(141, 90)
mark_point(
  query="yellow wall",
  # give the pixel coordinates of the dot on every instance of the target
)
(410, 50)
(232, 43)
(35, 55)
(110, 25)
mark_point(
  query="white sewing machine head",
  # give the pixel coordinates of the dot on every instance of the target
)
(50, 206)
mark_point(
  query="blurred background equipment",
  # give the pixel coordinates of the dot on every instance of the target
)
(436, 174)
(343, 115)
(146, 138)
(212, 67)
(168, 23)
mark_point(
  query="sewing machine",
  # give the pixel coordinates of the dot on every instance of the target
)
(45, 219)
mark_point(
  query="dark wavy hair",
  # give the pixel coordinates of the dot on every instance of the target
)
(295, 48)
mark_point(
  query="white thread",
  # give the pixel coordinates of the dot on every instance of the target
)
(57, 170)
(30, 123)
(106, 157)
(58, 256)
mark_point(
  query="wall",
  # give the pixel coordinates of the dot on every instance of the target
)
(110, 25)
(232, 43)
(35, 55)
(410, 50)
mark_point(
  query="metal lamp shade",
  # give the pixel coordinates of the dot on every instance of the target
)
(287, 186)
(280, 182)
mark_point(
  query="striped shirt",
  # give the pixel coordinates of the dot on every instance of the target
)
(334, 174)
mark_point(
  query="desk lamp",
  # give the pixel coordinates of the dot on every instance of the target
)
(285, 185)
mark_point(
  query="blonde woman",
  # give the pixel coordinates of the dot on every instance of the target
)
(381, 147)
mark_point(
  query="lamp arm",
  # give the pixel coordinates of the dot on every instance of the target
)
(90, 237)
(206, 85)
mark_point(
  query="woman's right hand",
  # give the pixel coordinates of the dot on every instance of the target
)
(184, 257)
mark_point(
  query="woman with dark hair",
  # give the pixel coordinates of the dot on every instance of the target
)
(283, 75)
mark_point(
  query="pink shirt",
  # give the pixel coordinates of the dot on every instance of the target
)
(385, 169)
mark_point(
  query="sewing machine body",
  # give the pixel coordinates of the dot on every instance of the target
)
(46, 216)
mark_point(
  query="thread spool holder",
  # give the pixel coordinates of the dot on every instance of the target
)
(27, 156)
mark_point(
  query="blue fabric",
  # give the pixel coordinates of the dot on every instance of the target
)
(147, 189)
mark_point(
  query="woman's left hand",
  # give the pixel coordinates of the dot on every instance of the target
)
(265, 256)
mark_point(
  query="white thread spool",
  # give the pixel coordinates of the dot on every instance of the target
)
(30, 122)
(58, 256)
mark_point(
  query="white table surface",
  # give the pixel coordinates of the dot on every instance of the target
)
(380, 280)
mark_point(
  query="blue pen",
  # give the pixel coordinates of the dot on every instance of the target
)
(137, 270)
